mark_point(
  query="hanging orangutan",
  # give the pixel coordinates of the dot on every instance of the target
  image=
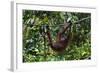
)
(61, 41)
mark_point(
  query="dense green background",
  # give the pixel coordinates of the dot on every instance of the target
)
(33, 42)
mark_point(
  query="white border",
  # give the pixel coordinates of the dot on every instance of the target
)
(17, 37)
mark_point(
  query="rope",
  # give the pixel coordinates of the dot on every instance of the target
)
(81, 20)
(44, 26)
(75, 22)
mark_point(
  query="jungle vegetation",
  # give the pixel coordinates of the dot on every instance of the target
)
(37, 49)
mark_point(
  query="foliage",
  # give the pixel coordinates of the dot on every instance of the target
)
(36, 49)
